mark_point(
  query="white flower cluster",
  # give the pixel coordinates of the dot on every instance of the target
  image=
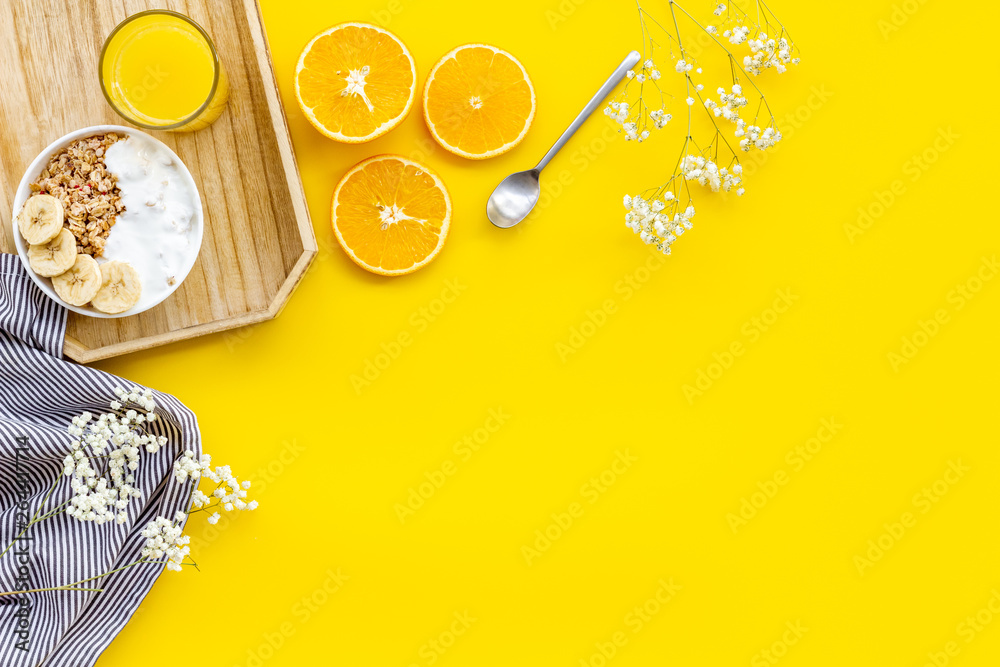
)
(143, 399)
(633, 133)
(166, 539)
(660, 219)
(648, 71)
(230, 493)
(755, 138)
(650, 67)
(187, 467)
(103, 459)
(659, 118)
(768, 53)
(105, 455)
(648, 219)
(706, 172)
(630, 116)
(731, 103)
(620, 113)
(737, 35)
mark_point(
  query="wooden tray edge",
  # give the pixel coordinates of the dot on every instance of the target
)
(76, 351)
(295, 276)
(281, 131)
(73, 349)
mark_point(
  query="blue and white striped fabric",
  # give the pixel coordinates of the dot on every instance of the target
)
(39, 394)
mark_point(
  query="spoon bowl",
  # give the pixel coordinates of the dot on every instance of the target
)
(513, 199)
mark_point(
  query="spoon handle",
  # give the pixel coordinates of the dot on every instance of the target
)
(630, 61)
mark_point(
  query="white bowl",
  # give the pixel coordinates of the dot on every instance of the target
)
(148, 299)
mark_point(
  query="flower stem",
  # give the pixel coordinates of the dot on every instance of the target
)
(75, 585)
(35, 518)
(723, 47)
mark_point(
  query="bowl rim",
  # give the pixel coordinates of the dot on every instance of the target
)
(24, 191)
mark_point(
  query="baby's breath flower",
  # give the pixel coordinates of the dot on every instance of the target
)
(112, 441)
(230, 493)
(737, 35)
(634, 117)
(166, 539)
(767, 53)
(707, 173)
(104, 455)
(755, 137)
(199, 499)
(661, 218)
(731, 103)
(651, 219)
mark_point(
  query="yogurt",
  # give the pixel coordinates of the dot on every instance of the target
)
(156, 232)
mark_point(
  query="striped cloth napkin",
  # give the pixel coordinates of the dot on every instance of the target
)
(39, 394)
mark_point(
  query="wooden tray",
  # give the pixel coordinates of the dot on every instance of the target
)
(258, 239)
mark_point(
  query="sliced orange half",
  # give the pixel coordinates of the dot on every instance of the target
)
(355, 82)
(478, 101)
(391, 215)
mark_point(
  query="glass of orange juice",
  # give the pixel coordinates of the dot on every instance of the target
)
(160, 71)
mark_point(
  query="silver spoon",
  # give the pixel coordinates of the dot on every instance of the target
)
(517, 194)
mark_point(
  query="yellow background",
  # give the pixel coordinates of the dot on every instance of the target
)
(277, 403)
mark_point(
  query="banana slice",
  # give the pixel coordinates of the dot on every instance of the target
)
(80, 283)
(120, 288)
(40, 219)
(55, 257)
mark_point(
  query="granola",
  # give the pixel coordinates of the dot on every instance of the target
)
(78, 176)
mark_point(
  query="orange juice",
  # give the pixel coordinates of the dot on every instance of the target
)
(160, 70)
